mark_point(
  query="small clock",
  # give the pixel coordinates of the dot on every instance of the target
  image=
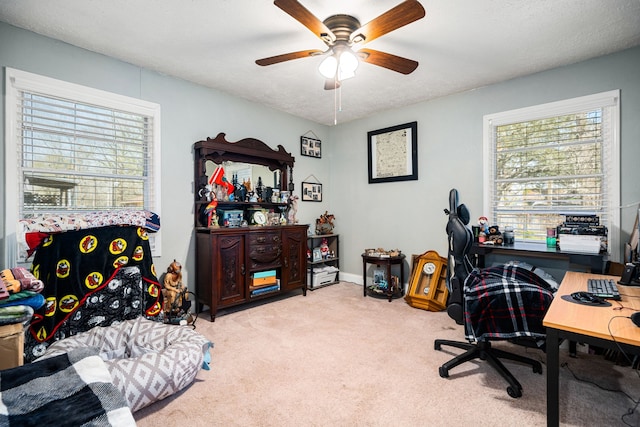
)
(427, 286)
(259, 218)
(429, 268)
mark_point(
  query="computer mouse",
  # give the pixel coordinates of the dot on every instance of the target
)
(588, 298)
(635, 318)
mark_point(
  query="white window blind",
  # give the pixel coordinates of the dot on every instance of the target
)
(75, 149)
(80, 157)
(548, 161)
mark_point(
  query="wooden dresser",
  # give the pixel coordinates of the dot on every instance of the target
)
(230, 261)
(228, 258)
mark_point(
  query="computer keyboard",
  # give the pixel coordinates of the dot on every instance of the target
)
(604, 288)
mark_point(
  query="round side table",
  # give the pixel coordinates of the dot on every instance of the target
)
(388, 261)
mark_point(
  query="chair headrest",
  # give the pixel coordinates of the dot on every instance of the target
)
(456, 210)
(463, 214)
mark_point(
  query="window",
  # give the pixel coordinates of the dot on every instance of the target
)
(73, 149)
(547, 161)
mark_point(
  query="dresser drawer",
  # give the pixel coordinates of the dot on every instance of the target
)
(265, 238)
(265, 249)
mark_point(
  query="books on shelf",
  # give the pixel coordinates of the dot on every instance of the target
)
(265, 289)
(263, 279)
(266, 273)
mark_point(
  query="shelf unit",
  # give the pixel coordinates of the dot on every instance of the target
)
(316, 278)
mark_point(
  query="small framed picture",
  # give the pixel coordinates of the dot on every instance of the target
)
(317, 255)
(311, 192)
(379, 278)
(310, 147)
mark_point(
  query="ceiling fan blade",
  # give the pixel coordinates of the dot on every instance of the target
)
(331, 84)
(288, 57)
(387, 60)
(401, 15)
(306, 18)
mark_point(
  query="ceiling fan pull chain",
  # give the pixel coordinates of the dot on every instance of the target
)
(335, 106)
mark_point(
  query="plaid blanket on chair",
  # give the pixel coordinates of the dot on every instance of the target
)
(505, 302)
(72, 389)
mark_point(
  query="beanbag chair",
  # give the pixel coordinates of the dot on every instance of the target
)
(147, 360)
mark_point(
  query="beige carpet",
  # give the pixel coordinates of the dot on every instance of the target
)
(336, 358)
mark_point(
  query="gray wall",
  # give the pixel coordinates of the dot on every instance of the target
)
(409, 215)
(189, 113)
(405, 215)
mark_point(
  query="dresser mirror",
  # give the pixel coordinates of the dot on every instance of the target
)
(244, 159)
(245, 172)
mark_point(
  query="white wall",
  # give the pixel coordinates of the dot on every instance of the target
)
(405, 215)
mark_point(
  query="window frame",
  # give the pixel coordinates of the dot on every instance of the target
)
(609, 99)
(17, 81)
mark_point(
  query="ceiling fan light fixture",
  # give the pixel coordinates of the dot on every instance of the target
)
(343, 63)
(348, 64)
(328, 67)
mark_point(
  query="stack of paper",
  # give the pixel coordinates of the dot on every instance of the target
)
(579, 243)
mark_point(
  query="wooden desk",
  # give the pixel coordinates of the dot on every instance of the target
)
(588, 324)
(595, 262)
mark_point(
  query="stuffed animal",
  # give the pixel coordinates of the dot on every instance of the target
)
(495, 235)
(483, 222)
(173, 290)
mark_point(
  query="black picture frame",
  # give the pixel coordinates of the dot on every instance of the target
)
(311, 192)
(393, 153)
(310, 147)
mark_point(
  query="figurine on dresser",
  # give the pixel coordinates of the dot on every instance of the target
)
(324, 224)
(292, 210)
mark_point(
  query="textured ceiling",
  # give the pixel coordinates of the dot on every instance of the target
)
(460, 44)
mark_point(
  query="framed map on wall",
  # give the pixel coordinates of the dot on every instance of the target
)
(393, 153)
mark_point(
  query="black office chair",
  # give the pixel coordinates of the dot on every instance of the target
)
(468, 304)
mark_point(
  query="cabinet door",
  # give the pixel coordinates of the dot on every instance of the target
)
(231, 270)
(294, 269)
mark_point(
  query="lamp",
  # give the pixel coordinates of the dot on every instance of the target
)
(343, 62)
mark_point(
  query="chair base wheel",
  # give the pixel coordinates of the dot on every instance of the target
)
(444, 372)
(514, 392)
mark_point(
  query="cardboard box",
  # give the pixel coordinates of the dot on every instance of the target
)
(11, 345)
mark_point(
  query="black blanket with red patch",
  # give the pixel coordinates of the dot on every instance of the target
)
(92, 277)
(505, 302)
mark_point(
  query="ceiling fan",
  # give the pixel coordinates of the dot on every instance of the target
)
(342, 33)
